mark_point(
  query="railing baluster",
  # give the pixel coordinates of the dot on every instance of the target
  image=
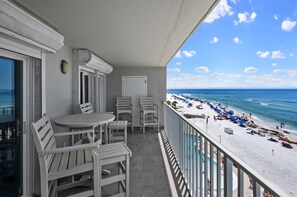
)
(240, 182)
(193, 161)
(197, 166)
(219, 171)
(211, 171)
(201, 166)
(183, 131)
(205, 167)
(228, 165)
(256, 189)
(188, 156)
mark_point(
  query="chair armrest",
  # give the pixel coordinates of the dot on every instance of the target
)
(71, 148)
(73, 132)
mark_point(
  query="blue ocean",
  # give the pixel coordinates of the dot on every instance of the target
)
(6, 99)
(270, 105)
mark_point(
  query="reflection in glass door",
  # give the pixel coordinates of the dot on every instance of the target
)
(11, 101)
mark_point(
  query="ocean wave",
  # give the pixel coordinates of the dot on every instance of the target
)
(264, 104)
(250, 100)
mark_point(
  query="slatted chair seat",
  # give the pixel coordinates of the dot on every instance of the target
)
(125, 109)
(149, 114)
(69, 163)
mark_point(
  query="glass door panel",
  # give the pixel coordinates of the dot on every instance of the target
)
(11, 105)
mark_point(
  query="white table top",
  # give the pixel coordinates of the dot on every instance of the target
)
(84, 120)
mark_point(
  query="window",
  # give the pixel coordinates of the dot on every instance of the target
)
(92, 89)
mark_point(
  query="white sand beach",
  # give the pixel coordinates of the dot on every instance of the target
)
(276, 163)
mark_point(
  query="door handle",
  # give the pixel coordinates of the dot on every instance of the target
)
(17, 129)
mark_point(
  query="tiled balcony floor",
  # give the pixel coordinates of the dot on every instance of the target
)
(147, 170)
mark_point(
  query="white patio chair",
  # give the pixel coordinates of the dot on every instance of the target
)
(149, 114)
(87, 108)
(125, 110)
(56, 163)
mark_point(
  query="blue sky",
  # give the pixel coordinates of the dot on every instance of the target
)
(241, 44)
(6, 73)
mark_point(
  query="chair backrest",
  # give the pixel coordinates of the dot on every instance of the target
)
(43, 136)
(124, 102)
(86, 108)
(147, 102)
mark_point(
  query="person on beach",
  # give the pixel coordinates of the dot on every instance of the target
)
(250, 115)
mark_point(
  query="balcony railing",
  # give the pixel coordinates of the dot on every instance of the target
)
(208, 168)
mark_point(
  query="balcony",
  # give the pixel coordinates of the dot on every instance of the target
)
(221, 174)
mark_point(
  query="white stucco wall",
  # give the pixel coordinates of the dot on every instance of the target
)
(58, 85)
(156, 87)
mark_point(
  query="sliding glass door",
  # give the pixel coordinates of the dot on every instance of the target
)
(11, 113)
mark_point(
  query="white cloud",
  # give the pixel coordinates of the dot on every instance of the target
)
(235, 76)
(277, 55)
(216, 74)
(275, 17)
(274, 64)
(292, 73)
(178, 63)
(263, 54)
(221, 10)
(250, 69)
(174, 70)
(288, 24)
(223, 80)
(202, 69)
(214, 40)
(279, 71)
(245, 18)
(233, 1)
(178, 55)
(291, 54)
(237, 40)
(189, 53)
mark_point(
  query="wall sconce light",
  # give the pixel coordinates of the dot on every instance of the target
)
(64, 66)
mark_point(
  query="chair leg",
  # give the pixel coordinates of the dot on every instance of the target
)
(127, 175)
(44, 187)
(97, 178)
(125, 135)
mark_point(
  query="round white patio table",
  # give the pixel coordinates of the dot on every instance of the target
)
(79, 121)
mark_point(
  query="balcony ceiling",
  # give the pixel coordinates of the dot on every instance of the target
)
(124, 32)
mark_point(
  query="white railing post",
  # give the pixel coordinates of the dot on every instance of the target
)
(228, 179)
(240, 183)
(211, 171)
(206, 186)
(219, 170)
(256, 189)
